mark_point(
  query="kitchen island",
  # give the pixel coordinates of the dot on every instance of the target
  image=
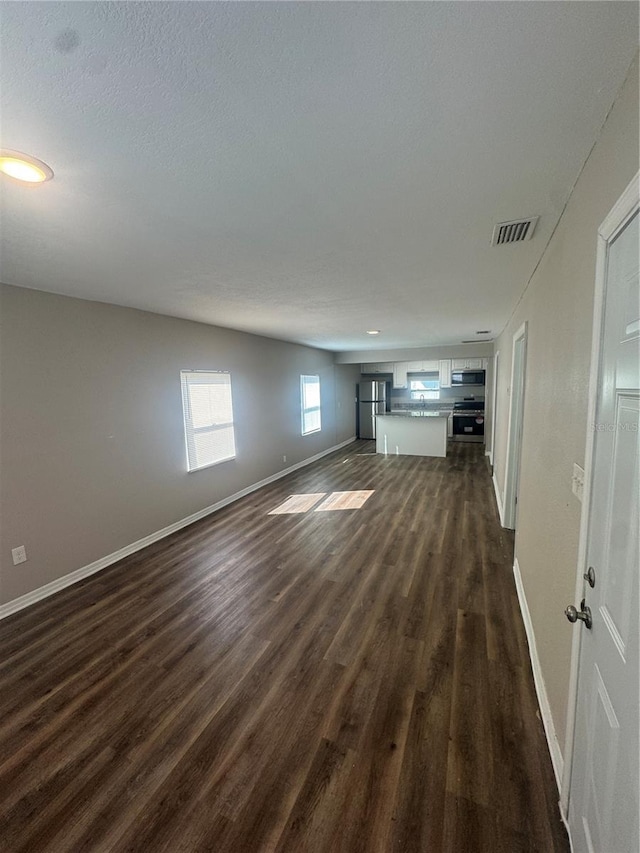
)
(415, 433)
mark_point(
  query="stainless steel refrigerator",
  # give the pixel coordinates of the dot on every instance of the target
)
(372, 401)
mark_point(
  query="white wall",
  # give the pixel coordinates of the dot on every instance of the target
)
(558, 305)
(92, 449)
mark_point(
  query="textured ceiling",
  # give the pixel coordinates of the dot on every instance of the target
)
(305, 171)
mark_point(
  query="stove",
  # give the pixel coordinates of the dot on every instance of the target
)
(468, 407)
(468, 421)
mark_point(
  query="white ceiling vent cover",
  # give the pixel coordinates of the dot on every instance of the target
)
(516, 231)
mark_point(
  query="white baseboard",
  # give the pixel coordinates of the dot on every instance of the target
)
(541, 690)
(496, 489)
(565, 821)
(84, 572)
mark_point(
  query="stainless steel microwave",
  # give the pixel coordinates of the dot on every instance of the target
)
(467, 377)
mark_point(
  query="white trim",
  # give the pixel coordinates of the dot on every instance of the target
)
(514, 430)
(541, 690)
(79, 574)
(615, 220)
(622, 210)
(494, 403)
(565, 821)
(496, 489)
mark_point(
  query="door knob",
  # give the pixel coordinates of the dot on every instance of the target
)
(584, 614)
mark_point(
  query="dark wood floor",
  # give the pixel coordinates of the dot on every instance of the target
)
(353, 681)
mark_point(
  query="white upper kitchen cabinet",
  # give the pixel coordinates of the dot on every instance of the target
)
(400, 374)
(422, 366)
(466, 364)
(444, 369)
(377, 367)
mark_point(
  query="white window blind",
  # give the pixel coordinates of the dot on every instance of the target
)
(425, 389)
(208, 417)
(310, 404)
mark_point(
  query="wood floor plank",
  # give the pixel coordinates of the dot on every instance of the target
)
(312, 821)
(470, 766)
(367, 815)
(149, 749)
(354, 680)
(420, 799)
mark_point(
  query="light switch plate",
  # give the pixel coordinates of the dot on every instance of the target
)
(577, 481)
(19, 555)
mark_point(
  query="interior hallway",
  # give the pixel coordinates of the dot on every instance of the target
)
(349, 680)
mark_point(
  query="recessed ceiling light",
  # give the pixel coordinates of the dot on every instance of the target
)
(24, 168)
(373, 331)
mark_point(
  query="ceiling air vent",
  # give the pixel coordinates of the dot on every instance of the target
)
(515, 231)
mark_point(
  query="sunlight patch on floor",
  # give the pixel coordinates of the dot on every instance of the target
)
(344, 500)
(297, 503)
(335, 501)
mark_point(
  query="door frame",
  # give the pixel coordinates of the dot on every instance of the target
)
(613, 224)
(514, 434)
(494, 407)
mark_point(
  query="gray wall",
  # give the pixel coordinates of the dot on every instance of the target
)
(558, 306)
(92, 449)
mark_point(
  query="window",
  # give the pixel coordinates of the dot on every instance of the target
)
(208, 417)
(310, 403)
(424, 389)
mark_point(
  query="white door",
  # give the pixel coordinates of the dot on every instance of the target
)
(603, 794)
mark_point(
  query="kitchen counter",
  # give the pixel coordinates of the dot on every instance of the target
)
(412, 433)
(417, 413)
(408, 414)
(440, 411)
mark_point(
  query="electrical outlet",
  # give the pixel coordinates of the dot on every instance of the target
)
(19, 555)
(577, 481)
(284, 458)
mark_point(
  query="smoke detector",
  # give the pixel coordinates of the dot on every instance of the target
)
(515, 231)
